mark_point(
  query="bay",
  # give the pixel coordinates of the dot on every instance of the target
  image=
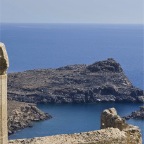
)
(38, 46)
(75, 118)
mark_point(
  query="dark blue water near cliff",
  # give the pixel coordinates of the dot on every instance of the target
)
(74, 118)
(32, 46)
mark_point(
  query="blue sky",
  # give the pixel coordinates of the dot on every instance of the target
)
(72, 11)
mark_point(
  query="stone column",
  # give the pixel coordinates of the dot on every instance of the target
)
(4, 64)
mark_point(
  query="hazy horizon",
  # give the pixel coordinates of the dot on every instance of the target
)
(72, 11)
(142, 24)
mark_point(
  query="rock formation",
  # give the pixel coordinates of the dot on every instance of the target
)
(110, 118)
(115, 131)
(139, 114)
(21, 115)
(4, 64)
(101, 81)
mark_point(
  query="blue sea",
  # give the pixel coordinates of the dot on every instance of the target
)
(38, 46)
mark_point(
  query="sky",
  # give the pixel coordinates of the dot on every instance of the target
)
(72, 11)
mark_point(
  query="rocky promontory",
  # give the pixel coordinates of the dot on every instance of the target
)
(21, 115)
(114, 131)
(99, 82)
(139, 114)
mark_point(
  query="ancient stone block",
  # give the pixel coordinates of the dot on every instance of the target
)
(4, 64)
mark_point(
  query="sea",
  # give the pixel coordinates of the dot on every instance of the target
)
(42, 46)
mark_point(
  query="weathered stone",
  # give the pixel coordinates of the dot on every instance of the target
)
(141, 98)
(109, 65)
(109, 118)
(21, 115)
(139, 114)
(4, 64)
(73, 84)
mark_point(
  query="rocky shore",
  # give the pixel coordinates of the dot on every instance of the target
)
(102, 81)
(139, 114)
(114, 131)
(21, 115)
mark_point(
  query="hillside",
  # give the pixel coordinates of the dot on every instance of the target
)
(99, 82)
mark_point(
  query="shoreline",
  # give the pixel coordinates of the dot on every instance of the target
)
(100, 81)
(116, 132)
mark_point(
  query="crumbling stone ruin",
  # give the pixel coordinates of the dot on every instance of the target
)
(4, 64)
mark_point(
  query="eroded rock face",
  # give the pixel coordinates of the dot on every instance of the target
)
(21, 115)
(105, 136)
(141, 99)
(122, 134)
(109, 65)
(102, 81)
(110, 118)
(139, 114)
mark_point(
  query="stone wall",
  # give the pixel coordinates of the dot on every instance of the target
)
(114, 131)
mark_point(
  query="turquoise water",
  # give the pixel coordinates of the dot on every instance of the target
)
(34, 46)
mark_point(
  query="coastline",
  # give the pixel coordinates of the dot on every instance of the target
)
(113, 130)
(103, 81)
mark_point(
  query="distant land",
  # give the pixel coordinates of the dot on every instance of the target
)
(102, 81)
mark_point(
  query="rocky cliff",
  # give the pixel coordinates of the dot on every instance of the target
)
(21, 115)
(114, 131)
(101, 81)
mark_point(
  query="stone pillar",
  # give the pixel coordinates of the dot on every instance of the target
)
(4, 64)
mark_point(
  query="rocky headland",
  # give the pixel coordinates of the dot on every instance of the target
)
(139, 114)
(21, 115)
(103, 81)
(114, 131)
